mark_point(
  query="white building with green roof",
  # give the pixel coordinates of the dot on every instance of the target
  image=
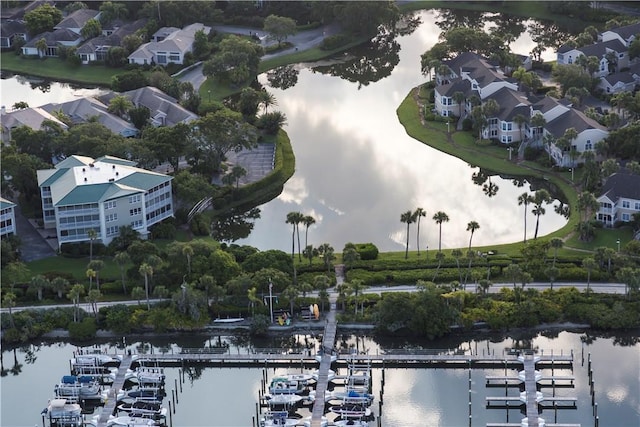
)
(7, 218)
(82, 194)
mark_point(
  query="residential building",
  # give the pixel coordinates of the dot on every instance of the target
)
(83, 110)
(164, 110)
(76, 20)
(612, 55)
(9, 31)
(7, 218)
(82, 194)
(169, 45)
(96, 49)
(625, 34)
(54, 39)
(619, 199)
(31, 117)
(589, 133)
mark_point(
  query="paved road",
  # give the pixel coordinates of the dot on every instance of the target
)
(301, 41)
(34, 246)
(604, 288)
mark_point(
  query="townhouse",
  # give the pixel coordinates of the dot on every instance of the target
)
(7, 218)
(81, 194)
(619, 199)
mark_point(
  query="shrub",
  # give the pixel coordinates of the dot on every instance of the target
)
(334, 42)
(84, 330)
(367, 251)
(467, 125)
(164, 230)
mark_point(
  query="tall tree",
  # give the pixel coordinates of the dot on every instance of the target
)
(472, 226)
(122, 259)
(42, 18)
(556, 243)
(74, 295)
(96, 265)
(540, 197)
(279, 28)
(92, 235)
(440, 217)
(458, 98)
(308, 221)
(39, 283)
(147, 271)
(525, 199)
(589, 264)
(419, 213)
(407, 218)
(59, 285)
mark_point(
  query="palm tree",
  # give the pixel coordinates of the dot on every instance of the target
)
(407, 218)
(513, 272)
(308, 221)
(147, 271)
(41, 46)
(90, 275)
(525, 199)
(538, 121)
(419, 213)
(356, 285)
(267, 99)
(92, 235)
(58, 285)
(570, 135)
(137, 293)
(519, 120)
(556, 243)
(472, 226)
(96, 265)
(290, 293)
(457, 254)
(589, 264)
(458, 97)
(187, 251)
(9, 301)
(295, 218)
(439, 258)
(540, 197)
(74, 295)
(349, 256)
(122, 258)
(253, 299)
(321, 283)
(119, 105)
(439, 218)
(92, 298)
(328, 255)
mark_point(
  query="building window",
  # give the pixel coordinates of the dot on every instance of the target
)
(588, 146)
(507, 126)
(637, 206)
(112, 231)
(626, 204)
(135, 211)
(110, 204)
(136, 224)
(111, 217)
(135, 198)
(625, 217)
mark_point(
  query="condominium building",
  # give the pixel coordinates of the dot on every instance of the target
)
(82, 194)
(7, 218)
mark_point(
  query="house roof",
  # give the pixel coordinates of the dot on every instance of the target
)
(165, 32)
(77, 19)
(622, 77)
(9, 28)
(54, 37)
(74, 181)
(627, 31)
(5, 204)
(600, 49)
(482, 71)
(511, 104)
(82, 109)
(157, 102)
(18, 12)
(572, 119)
(176, 40)
(31, 117)
(622, 185)
(449, 89)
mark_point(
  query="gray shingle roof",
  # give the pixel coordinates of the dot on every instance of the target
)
(627, 30)
(600, 49)
(571, 119)
(77, 19)
(624, 77)
(463, 86)
(622, 185)
(511, 103)
(54, 37)
(9, 28)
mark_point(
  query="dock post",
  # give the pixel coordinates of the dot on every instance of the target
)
(173, 397)
(170, 416)
(253, 421)
(180, 386)
(176, 384)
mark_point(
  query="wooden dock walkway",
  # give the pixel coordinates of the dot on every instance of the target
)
(118, 384)
(328, 341)
(531, 390)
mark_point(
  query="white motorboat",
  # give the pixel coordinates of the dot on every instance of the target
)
(351, 423)
(352, 396)
(148, 393)
(150, 376)
(144, 407)
(277, 418)
(351, 410)
(63, 413)
(82, 387)
(288, 384)
(93, 360)
(128, 421)
(282, 399)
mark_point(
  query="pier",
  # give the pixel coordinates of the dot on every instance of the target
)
(328, 341)
(118, 384)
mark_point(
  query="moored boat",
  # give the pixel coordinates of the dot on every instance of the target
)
(277, 418)
(286, 384)
(82, 387)
(63, 413)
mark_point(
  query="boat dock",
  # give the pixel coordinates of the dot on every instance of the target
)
(328, 341)
(118, 384)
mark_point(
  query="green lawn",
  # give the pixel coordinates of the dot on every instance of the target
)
(75, 266)
(56, 69)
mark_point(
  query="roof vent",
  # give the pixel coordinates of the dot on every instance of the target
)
(113, 167)
(84, 170)
(85, 179)
(91, 165)
(117, 173)
(111, 179)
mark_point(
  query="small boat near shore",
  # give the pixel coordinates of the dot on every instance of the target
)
(229, 320)
(277, 418)
(144, 407)
(63, 413)
(82, 387)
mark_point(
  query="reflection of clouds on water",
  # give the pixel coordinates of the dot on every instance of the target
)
(401, 409)
(617, 394)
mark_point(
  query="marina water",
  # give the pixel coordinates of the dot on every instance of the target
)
(227, 397)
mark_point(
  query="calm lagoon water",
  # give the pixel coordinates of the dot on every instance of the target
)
(226, 397)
